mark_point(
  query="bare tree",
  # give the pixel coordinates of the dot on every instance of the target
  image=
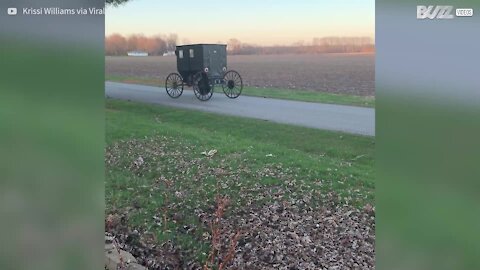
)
(171, 41)
(234, 45)
(116, 44)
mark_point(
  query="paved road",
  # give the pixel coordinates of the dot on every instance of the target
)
(348, 119)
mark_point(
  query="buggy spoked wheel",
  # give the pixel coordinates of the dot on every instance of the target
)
(202, 87)
(174, 85)
(232, 84)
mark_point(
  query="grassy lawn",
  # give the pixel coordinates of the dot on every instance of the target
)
(290, 94)
(155, 167)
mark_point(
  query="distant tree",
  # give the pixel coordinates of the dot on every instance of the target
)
(171, 41)
(116, 44)
(132, 43)
(299, 43)
(234, 45)
(159, 46)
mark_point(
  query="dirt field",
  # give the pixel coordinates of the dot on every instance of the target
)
(335, 73)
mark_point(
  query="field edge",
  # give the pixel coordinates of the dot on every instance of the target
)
(276, 93)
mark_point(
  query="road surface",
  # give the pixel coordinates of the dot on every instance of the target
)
(355, 120)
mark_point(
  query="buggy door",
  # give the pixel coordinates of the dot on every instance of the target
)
(215, 61)
(183, 61)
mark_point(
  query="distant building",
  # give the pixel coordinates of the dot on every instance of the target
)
(169, 53)
(137, 53)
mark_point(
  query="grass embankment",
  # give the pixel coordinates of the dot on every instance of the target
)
(289, 94)
(155, 167)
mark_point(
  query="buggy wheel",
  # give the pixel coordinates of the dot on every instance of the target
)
(174, 85)
(202, 87)
(232, 84)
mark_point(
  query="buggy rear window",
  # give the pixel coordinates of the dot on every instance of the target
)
(180, 54)
(191, 53)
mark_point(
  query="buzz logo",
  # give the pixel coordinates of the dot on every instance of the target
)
(434, 12)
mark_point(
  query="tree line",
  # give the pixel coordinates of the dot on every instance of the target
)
(317, 45)
(117, 44)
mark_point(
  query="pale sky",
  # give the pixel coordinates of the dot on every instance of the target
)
(262, 22)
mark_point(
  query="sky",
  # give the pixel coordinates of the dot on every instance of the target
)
(261, 22)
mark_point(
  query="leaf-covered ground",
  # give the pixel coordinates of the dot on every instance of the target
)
(301, 198)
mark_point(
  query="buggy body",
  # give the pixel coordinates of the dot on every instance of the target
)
(203, 66)
(210, 58)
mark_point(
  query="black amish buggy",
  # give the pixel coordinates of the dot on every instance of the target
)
(203, 66)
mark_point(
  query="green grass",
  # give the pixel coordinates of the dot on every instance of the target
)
(289, 94)
(255, 159)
